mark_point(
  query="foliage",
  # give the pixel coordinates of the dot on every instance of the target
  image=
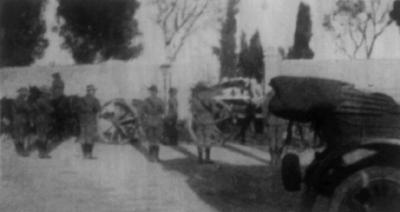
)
(302, 37)
(251, 58)
(395, 13)
(226, 52)
(357, 25)
(21, 32)
(96, 31)
(243, 55)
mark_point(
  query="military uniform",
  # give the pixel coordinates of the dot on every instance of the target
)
(57, 86)
(59, 104)
(153, 111)
(203, 123)
(88, 121)
(170, 128)
(43, 121)
(21, 121)
(277, 132)
(246, 121)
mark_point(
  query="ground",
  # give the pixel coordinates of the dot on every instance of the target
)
(121, 179)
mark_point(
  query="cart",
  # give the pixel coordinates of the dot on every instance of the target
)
(359, 168)
(236, 96)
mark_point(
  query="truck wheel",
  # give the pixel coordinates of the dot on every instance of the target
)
(290, 171)
(370, 189)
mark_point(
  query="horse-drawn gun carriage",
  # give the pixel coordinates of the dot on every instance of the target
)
(359, 168)
(240, 106)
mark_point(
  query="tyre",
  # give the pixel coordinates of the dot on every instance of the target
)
(291, 173)
(370, 189)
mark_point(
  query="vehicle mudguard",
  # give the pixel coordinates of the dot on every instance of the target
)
(330, 168)
(290, 172)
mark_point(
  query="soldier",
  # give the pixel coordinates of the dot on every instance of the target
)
(171, 119)
(57, 87)
(203, 124)
(21, 121)
(245, 122)
(277, 129)
(153, 111)
(59, 102)
(43, 122)
(90, 108)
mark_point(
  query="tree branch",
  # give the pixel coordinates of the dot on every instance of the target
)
(362, 29)
(190, 22)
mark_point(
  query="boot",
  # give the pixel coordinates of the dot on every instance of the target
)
(40, 148)
(27, 147)
(90, 151)
(151, 153)
(208, 151)
(48, 148)
(84, 150)
(45, 150)
(19, 148)
(156, 153)
(200, 155)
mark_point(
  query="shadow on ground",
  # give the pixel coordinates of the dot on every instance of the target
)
(228, 187)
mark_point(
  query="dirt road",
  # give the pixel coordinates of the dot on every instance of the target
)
(121, 179)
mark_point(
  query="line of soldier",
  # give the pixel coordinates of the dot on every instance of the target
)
(158, 123)
(33, 115)
(202, 126)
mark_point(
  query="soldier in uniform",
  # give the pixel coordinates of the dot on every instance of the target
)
(171, 119)
(43, 121)
(21, 121)
(59, 102)
(245, 122)
(203, 124)
(90, 109)
(153, 111)
(57, 86)
(277, 132)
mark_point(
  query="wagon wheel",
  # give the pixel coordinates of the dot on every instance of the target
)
(125, 128)
(123, 118)
(371, 189)
(225, 125)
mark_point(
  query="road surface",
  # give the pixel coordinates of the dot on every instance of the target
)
(121, 179)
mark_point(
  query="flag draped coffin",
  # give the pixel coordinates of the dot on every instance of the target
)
(341, 113)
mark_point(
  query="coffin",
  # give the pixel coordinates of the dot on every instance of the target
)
(339, 111)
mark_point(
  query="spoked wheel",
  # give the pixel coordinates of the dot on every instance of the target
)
(225, 125)
(124, 121)
(375, 189)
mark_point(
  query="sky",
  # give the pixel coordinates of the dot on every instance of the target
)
(274, 19)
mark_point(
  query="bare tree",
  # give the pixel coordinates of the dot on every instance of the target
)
(357, 25)
(178, 19)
